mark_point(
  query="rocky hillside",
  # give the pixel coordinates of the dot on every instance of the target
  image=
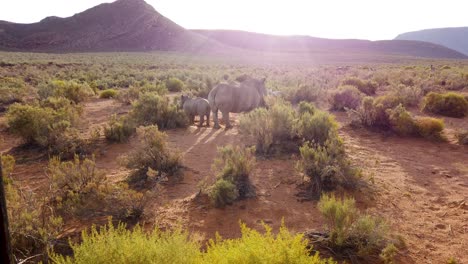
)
(454, 38)
(124, 25)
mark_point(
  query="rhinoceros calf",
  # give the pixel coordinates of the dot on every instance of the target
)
(196, 106)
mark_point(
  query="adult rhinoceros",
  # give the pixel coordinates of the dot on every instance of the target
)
(236, 98)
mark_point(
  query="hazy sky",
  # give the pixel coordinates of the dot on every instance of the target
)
(365, 19)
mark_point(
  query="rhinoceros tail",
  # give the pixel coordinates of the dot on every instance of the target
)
(212, 98)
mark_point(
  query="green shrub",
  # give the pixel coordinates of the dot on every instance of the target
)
(366, 87)
(152, 154)
(407, 95)
(349, 230)
(79, 188)
(119, 130)
(35, 124)
(388, 254)
(326, 166)
(306, 107)
(430, 128)
(153, 109)
(33, 225)
(302, 93)
(317, 127)
(74, 91)
(448, 104)
(174, 85)
(269, 127)
(233, 169)
(108, 93)
(345, 97)
(402, 122)
(12, 90)
(128, 96)
(255, 247)
(223, 193)
(118, 245)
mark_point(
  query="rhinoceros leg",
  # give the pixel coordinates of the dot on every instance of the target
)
(226, 119)
(202, 120)
(215, 118)
(208, 119)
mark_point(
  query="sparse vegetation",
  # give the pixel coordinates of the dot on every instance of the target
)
(119, 129)
(366, 87)
(449, 104)
(152, 155)
(108, 93)
(174, 85)
(346, 97)
(353, 234)
(119, 245)
(233, 169)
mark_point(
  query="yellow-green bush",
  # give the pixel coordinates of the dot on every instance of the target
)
(345, 97)
(349, 230)
(317, 127)
(174, 85)
(153, 109)
(152, 154)
(108, 93)
(35, 124)
(12, 90)
(326, 166)
(430, 128)
(115, 245)
(366, 87)
(233, 168)
(402, 122)
(306, 107)
(79, 188)
(119, 129)
(33, 225)
(302, 93)
(269, 127)
(72, 90)
(448, 104)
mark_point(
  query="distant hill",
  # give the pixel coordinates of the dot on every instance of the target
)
(133, 25)
(454, 38)
(124, 25)
(263, 42)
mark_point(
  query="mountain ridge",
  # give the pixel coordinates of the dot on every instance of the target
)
(134, 25)
(455, 38)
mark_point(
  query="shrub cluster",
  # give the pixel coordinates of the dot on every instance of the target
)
(119, 245)
(33, 225)
(153, 109)
(109, 93)
(354, 234)
(12, 90)
(382, 114)
(271, 126)
(174, 84)
(78, 188)
(302, 93)
(119, 129)
(280, 124)
(345, 97)
(448, 104)
(72, 90)
(326, 165)
(152, 156)
(233, 169)
(366, 87)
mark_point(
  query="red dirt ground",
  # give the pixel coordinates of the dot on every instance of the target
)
(420, 187)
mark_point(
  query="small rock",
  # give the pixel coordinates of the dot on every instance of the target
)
(440, 226)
